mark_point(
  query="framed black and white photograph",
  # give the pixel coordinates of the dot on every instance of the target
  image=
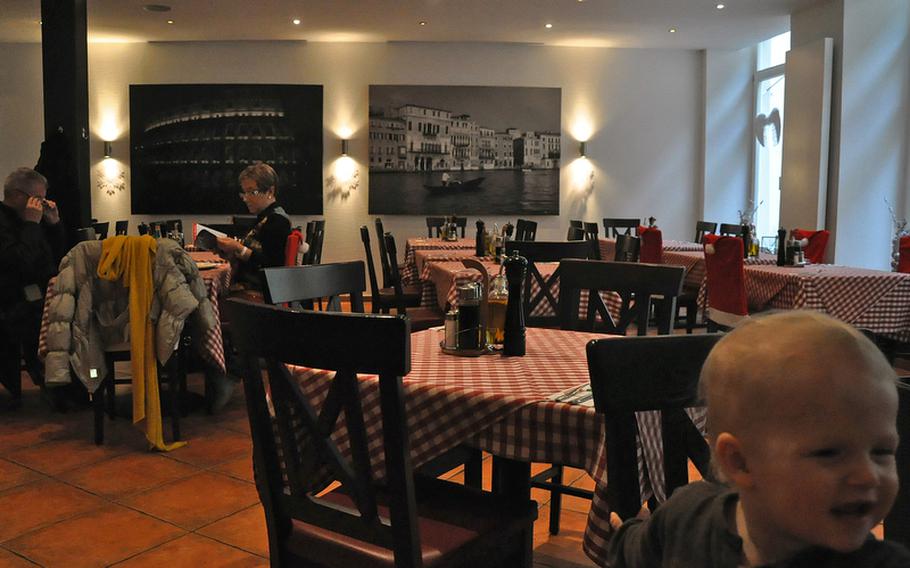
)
(188, 144)
(464, 150)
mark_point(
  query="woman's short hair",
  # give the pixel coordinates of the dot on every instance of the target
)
(262, 174)
(22, 179)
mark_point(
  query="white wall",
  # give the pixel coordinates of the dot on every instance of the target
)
(21, 106)
(644, 108)
(728, 147)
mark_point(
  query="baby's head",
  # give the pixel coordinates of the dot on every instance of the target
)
(802, 413)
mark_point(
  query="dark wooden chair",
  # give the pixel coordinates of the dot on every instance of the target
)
(101, 229)
(122, 227)
(525, 230)
(404, 520)
(461, 224)
(545, 251)
(730, 230)
(422, 317)
(383, 298)
(628, 248)
(702, 228)
(382, 255)
(637, 374)
(315, 234)
(613, 227)
(434, 226)
(300, 285)
(575, 234)
(86, 234)
(591, 230)
(897, 523)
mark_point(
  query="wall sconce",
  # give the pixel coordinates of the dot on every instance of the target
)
(108, 148)
(581, 148)
(344, 146)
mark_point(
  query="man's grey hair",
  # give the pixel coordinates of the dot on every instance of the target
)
(22, 179)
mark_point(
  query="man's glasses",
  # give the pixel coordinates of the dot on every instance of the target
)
(27, 194)
(248, 194)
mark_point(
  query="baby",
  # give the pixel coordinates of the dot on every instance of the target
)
(802, 416)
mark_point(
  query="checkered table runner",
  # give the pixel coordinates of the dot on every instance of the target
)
(608, 247)
(210, 346)
(872, 299)
(500, 405)
(410, 273)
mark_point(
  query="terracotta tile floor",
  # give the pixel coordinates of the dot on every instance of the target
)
(66, 502)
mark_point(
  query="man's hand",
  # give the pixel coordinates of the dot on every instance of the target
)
(33, 211)
(51, 213)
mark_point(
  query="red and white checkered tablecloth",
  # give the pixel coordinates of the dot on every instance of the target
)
(500, 405)
(871, 299)
(694, 263)
(608, 247)
(216, 280)
(410, 273)
(421, 257)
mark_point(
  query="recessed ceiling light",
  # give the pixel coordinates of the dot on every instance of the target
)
(156, 8)
(548, 26)
(170, 22)
(721, 6)
(296, 21)
(672, 30)
(422, 23)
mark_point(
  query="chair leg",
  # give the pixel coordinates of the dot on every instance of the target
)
(691, 314)
(110, 387)
(556, 500)
(98, 406)
(173, 382)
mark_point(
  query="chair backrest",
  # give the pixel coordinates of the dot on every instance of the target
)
(143, 229)
(903, 259)
(437, 224)
(897, 523)
(702, 228)
(303, 284)
(818, 242)
(726, 281)
(575, 234)
(576, 223)
(371, 268)
(86, 234)
(122, 227)
(461, 223)
(613, 227)
(383, 255)
(627, 248)
(525, 230)
(730, 230)
(394, 276)
(293, 247)
(538, 252)
(635, 284)
(652, 246)
(591, 230)
(636, 374)
(300, 447)
(315, 233)
(101, 229)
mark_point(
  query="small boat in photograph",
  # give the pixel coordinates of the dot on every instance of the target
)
(455, 186)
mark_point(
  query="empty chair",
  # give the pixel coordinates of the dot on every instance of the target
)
(652, 246)
(86, 234)
(315, 234)
(575, 234)
(640, 374)
(300, 285)
(122, 227)
(815, 243)
(726, 282)
(903, 262)
(383, 298)
(613, 227)
(703, 228)
(543, 252)
(403, 519)
(461, 223)
(525, 230)
(627, 248)
(422, 317)
(386, 279)
(730, 230)
(101, 229)
(434, 226)
(591, 230)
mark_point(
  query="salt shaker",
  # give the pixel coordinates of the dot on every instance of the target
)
(514, 342)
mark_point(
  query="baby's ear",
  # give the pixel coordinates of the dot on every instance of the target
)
(729, 457)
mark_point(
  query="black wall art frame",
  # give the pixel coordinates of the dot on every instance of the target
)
(464, 150)
(188, 143)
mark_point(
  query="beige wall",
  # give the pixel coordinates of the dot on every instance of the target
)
(21, 106)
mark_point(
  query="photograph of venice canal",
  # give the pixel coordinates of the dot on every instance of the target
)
(437, 150)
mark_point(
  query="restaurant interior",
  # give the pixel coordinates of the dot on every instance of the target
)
(546, 212)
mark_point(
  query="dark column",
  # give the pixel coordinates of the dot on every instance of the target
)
(65, 153)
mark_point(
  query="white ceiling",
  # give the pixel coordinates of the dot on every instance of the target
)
(604, 23)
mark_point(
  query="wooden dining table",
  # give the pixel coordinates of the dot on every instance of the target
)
(504, 406)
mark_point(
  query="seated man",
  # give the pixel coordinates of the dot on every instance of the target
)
(31, 245)
(802, 414)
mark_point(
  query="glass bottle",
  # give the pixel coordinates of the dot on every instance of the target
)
(497, 301)
(469, 325)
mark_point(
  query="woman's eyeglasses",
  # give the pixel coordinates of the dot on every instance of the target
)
(248, 194)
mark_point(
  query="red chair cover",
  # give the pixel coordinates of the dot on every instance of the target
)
(903, 259)
(652, 246)
(641, 229)
(709, 239)
(292, 247)
(818, 241)
(725, 280)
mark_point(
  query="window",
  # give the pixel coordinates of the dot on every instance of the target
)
(767, 130)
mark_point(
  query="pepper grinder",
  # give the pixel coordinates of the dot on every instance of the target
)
(781, 247)
(514, 342)
(480, 248)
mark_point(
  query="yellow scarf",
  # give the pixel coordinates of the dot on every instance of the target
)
(129, 259)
